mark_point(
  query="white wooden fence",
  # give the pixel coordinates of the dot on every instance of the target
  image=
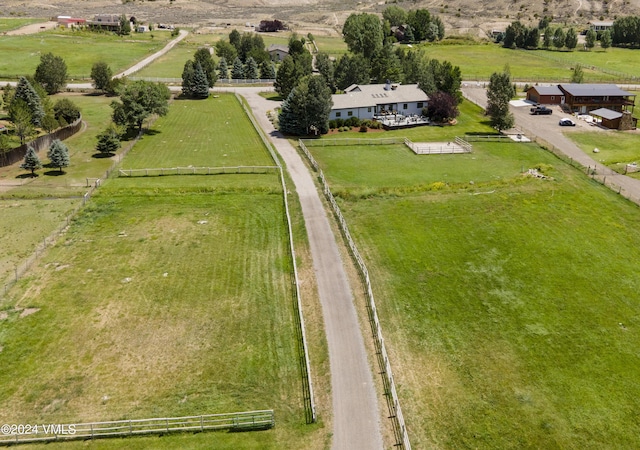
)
(240, 421)
(400, 430)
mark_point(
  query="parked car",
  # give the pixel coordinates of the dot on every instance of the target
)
(566, 122)
(541, 110)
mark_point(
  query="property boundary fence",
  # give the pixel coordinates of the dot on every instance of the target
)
(240, 421)
(155, 172)
(305, 366)
(16, 154)
(393, 403)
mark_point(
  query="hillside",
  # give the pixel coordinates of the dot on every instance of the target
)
(460, 16)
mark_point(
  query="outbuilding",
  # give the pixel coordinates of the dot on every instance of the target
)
(545, 95)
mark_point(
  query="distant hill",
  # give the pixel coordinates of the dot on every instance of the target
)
(476, 17)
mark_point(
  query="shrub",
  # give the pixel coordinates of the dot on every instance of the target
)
(363, 128)
(339, 123)
(352, 122)
(333, 124)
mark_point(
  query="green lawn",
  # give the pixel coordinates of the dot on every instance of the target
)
(8, 24)
(617, 149)
(509, 318)
(168, 296)
(79, 49)
(481, 60)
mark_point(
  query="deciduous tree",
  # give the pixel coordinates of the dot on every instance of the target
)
(590, 39)
(499, 93)
(605, 39)
(225, 50)
(66, 111)
(571, 39)
(51, 73)
(395, 15)
(558, 38)
(139, 100)
(363, 34)
(578, 74)
(442, 107)
(101, 75)
(22, 120)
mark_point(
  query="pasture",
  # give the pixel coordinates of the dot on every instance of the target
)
(179, 291)
(510, 320)
(8, 23)
(617, 149)
(79, 49)
(479, 61)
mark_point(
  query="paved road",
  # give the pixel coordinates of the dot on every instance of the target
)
(548, 129)
(355, 407)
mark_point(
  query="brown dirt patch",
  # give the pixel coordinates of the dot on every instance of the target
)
(28, 311)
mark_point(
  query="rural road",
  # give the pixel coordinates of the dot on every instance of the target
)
(149, 59)
(548, 129)
(356, 422)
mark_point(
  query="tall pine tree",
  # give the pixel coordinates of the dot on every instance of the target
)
(58, 154)
(31, 161)
(237, 72)
(223, 69)
(25, 92)
(200, 86)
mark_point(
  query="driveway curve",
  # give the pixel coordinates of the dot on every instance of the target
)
(356, 422)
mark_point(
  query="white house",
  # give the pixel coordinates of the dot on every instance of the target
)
(367, 100)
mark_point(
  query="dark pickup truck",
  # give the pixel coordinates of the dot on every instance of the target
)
(541, 110)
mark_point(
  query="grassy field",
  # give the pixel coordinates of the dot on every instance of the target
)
(617, 149)
(179, 290)
(481, 60)
(79, 49)
(510, 319)
(8, 24)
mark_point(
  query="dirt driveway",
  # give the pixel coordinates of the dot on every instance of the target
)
(33, 28)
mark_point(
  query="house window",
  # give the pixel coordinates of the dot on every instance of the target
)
(420, 105)
(338, 114)
(369, 109)
(350, 113)
(404, 106)
(553, 97)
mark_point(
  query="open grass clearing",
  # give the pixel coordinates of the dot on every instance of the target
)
(616, 149)
(79, 49)
(205, 133)
(478, 62)
(503, 322)
(24, 223)
(182, 303)
(8, 23)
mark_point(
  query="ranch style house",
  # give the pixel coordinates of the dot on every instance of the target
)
(582, 98)
(369, 100)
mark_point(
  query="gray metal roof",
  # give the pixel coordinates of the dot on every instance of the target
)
(594, 90)
(548, 90)
(281, 47)
(606, 113)
(366, 95)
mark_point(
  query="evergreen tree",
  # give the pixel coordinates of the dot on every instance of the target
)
(51, 73)
(352, 70)
(251, 69)
(101, 75)
(558, 38)
(386, 65)
(108, 141)
(237, 72)
(408, 34)
(286, 77)
(187, 79)
(223, 69)
(306, 109)
(200, 86)
(325, 67)
(25, 92)
(31, 161)
(203, 56)
(571, 39)
(267, 70)
(58, 154)
(499, 93)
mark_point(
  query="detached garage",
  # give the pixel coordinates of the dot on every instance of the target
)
(545, 95)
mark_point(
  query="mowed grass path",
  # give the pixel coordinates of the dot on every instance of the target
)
(510, 310)
(79, 49)
(168, 296)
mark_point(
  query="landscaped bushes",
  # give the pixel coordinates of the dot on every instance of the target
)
(351, 122)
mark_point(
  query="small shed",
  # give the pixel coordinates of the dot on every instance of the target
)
(545, 95)
(278, 52)
(609, 118)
